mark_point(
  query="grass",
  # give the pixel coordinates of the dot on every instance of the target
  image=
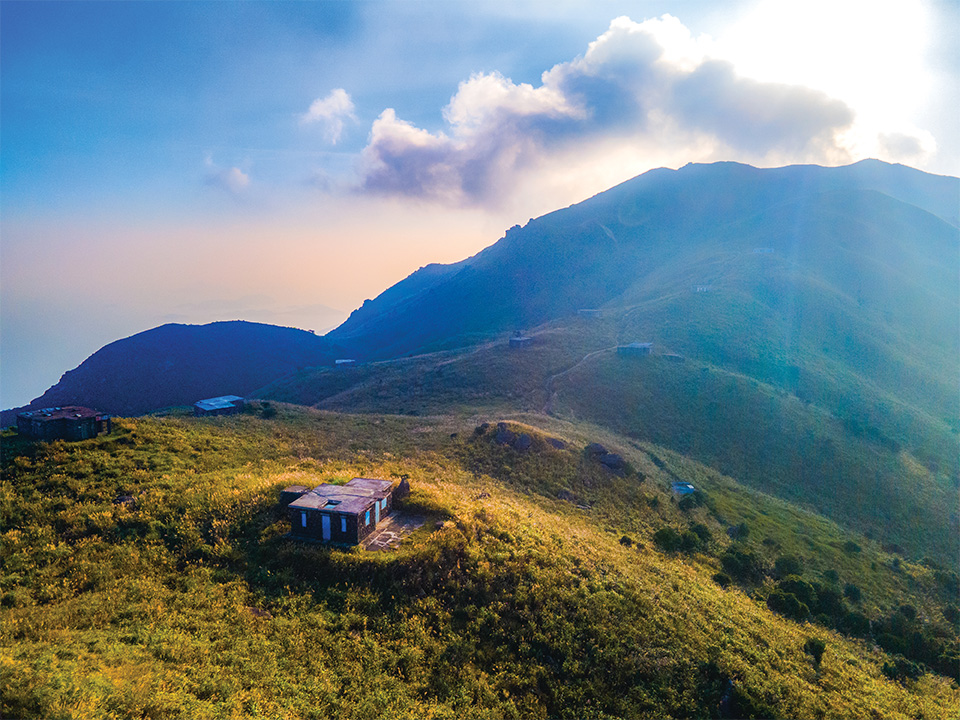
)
(520, 605)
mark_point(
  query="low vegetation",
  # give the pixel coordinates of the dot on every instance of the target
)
(146, 574)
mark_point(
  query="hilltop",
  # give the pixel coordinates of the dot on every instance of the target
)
(178, 364)
(544, 584)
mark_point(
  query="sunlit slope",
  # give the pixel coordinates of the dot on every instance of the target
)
(822, 347)
(511, 601)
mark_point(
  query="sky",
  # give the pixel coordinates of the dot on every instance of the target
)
(283, 161)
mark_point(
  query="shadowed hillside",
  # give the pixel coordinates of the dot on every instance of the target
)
(180, 364)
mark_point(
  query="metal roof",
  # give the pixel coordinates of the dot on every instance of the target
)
(218, 403)
(351, 498)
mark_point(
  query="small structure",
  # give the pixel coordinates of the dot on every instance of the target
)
(682, 488)
(590, 313)
(344, 363)
(223, 405)
(520, 341)
(701, 288)
(674, 358)
(339, 514)
(70, 422)
(635, 349)
(762, 251)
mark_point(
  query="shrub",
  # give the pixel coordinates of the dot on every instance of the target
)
(626, 541)
(814, 647)
(799, 588)
(851, 592)
(856, 624)
(902, 669)
(689, 541)
(701, 531)
(667, 539)
(787, 604)
(829, 601)
(788, 565)
(693, 500)
(851, 547)
(831, 576)
(722, 579)
(742, 565)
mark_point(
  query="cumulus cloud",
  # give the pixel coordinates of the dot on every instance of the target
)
(330, 112)
(232, 180)
(640, 84)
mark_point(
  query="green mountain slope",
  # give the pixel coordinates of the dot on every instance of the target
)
(511, 601)
(817, 309)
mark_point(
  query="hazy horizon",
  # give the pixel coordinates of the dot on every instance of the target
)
(282, 162)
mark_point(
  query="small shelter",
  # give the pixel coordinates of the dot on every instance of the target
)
(344, 363)
(339, 514)
(223, 405)
(521, 341)
(635, 349)
(70, 422)
(682, 488)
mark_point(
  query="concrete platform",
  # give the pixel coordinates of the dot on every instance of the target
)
(391, 532)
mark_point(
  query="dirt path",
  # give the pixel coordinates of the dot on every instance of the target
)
(548, 384)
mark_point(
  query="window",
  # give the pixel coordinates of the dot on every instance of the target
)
(303, 519)
(343, 524)
(383, 504)
(368, 517)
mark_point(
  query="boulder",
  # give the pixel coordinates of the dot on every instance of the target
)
(505, 436)
(523, 442)
(595, 449)
(613, 461)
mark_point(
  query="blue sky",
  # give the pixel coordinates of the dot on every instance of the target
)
(282, 161)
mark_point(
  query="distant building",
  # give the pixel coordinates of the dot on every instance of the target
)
(763, 251)
(344, 363)
(701, 288)
(634, 349)
(673, 357)
(585, 312)
(520, 341)
(682, 488)
(70, 422)
(338, 514)
(223, 405)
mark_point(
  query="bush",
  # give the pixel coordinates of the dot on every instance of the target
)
(800, 589)
(787, 604)
(667, 539)
(902, 669)
(856, 624)
(689, 541)
(851, 592)
(722, 579)
(701, 531)
(742, 565)
(851, 547)
(788, 565)
(831, 576)
(626, 541)
(693, 500)
(814, 647)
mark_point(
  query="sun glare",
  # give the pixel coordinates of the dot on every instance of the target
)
(869, 53)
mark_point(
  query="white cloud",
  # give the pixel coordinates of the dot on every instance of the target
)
(233, 180)
(640, 86)
(330, 112)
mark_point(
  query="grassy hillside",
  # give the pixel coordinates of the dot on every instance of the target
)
(746, 401)
(540, 586)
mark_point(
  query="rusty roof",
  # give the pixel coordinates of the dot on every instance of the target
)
(68, 412)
